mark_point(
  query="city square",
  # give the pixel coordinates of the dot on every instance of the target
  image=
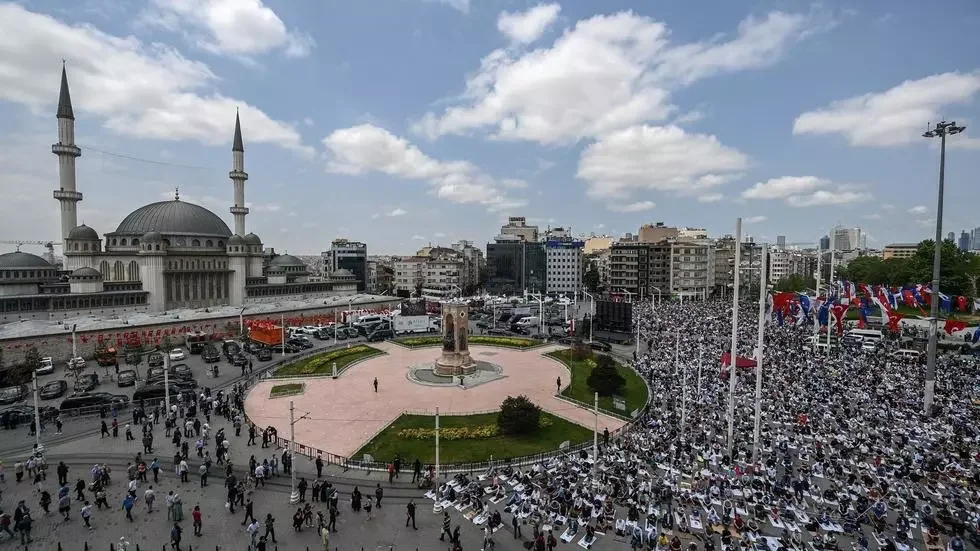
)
(531, 276)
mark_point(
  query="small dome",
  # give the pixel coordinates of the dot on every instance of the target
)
(83, 232)
(86, 272)
(152, 237)
(342, 272)
(22, 260)
(236, 240)
(286, 260)
(252, 239)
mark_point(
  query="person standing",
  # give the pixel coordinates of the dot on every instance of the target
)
(196, 514)
(378, 494)
(416, 471)
(248, 511)
(558, 383)
(410, 514)
(62, 473)
(301, 486)
(251, 435)
(204, 475)
(270, 527)
(332, 525)
(105, 429)
(80, 490)
(375, 385)
(45, 501)
(128, 507)
(253, 531)
(319, 466)
(516, 524)
(325, 538)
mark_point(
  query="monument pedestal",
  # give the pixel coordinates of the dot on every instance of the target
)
(455, 359)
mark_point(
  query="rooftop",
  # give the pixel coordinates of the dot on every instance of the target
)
(33, 328)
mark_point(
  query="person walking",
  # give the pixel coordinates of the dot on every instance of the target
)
(196, 515)
(445, 527)
(332, 525)
(204, 474)
(86, 513)
(410, 514)
(128, 506)
(270, 527)
(558, 383)
(24, 526)
(253, 531)
(251, 435)
(248, 511)
(105, 429)
(325, 538)
(175, 534)
(80, 490)
(45, 501)
(375, 384)
(301, 486)
(149, 496)
(62, 473)
(378, 494)
(416, 471)
(319, 466)
(155, 467)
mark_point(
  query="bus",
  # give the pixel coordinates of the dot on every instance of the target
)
(196, 341)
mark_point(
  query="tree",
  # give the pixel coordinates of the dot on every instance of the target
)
(518, 416)
(605, 378)
(581, 352)
(19, 374)
(592, 279)
(795, 282)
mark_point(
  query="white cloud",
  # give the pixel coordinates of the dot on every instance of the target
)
(823, 197)
(710, 197)
(887, 206)
(961, 142)
(657, 158)
(638, 206)
(418, 237)
(369, 148)
(781, 188)
(526, 27)
(897, 116)
(398, 212)
(754, 219)
(918, 209)
(439, 234)
(138, 90)
(606, 73)
(926, 222)
(375, 216)
(230, 27)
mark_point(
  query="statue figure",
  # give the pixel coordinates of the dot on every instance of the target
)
(449, 337)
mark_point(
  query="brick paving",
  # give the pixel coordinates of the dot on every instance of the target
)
(345, 413)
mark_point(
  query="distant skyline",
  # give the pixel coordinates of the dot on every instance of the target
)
(406, 122)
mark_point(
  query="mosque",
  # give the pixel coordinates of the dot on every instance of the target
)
(163, 256)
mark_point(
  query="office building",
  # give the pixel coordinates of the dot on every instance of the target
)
(900, 250)
(350, 256)
(563, 265)
(515, 265)
(781, 241)
(517, 226)
(825, 243)
(847, 239)
(964, 243)
(474, 266)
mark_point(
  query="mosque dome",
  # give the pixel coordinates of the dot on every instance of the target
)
(83, 232)
(174, 218)
(286, 260)
(86, 272)
(152, 236)
(252, 239)
(22, 260)
(236, 240)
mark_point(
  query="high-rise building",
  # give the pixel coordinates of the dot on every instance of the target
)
(825, 243)
(964, 243)
(515, 265)
(975, 241)
(563, 265)
(692, 267)
(350, 256)
(642, 269)
(781, 241)
(951, 236)
(846, 239)
(724, 265)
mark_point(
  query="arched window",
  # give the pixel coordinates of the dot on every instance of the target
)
(84, 246)
(209, 243)
(104, 268)
(113, 241)
(123, 242)
(195, 243)
(118, 271)
(221, 243)
(158, 246)
(134, 271)
(136, 242)
(75, 247)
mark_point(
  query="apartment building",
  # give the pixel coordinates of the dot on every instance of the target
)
(474, 265)
(642, 269)
(692, 267)
(900, 250)
(724, 268)
(517, 226)
(563, 265)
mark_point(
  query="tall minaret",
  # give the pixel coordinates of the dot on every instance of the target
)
(238, 177)
(67, 151)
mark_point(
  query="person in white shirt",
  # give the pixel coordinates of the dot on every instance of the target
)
(253, 532)
(259, 475)
(149, 496)
(86, 513)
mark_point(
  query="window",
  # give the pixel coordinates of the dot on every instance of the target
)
(113, 240)
(221, 243)
(195, 243)
(136, 242)
(123, 242)
(209, 243)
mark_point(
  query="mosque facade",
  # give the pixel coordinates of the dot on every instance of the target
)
(165, 255)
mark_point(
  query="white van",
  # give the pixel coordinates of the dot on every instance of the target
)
(528, 322)
(872, 335)
(906, 354)
(365, 320)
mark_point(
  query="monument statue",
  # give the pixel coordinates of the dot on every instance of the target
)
(455, 359)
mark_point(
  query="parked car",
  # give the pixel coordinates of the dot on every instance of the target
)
(76, 364)
(177, 354)
(13, 394)
(352, 332)
(126, 377)
(47, 366)
(600, 346)
(24, 414)
(155, 360)
(380, 334)
(107, 357)
(178, 383)
(210, 355)
(239, 360)
(301, 342)
(53, 389)
(181, 370)
(264, 354)
(155, 392)
(86, 382)
(94, 400)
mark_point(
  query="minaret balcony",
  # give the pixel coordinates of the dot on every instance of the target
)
(63, 195)
(63, 149)
(238, 210)
(238, 175)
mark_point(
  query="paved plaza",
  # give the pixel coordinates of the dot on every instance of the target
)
(345, 413)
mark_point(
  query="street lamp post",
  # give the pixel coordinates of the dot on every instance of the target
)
(941, 130)
(294, 493)
(592, 311)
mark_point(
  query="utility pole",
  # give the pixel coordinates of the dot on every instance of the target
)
(683, 388)
(435, 480)
(37, 417)
(734, 354)
(758, 360)
(941, 131)
(282, 336)
(595, 436)
(293, 492)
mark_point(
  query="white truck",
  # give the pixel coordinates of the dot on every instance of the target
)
(414, 324)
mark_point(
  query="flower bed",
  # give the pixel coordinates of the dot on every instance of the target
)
(288, 389)
(474, 432)
(322, 364)
(486, 340)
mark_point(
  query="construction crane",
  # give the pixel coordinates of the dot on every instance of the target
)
(49, 245)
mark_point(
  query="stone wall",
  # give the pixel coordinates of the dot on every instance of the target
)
(58, 345)
(57, 315)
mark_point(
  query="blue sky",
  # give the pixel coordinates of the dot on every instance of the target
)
(404, 122)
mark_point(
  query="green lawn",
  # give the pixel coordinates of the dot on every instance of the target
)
(486, 340)
(322, 364)
(635, 390)
(386, 445)
(288, 389)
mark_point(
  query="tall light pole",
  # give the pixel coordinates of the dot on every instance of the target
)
(294, 493)
(734, 354)
(941, 130)
(758, 361)
(591, 312)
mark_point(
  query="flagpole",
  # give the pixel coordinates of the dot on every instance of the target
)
(683, 389)
(734, 355)
(816, 325)
(830, 285)
(758, 359)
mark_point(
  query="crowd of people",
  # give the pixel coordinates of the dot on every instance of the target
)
(846, 458)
